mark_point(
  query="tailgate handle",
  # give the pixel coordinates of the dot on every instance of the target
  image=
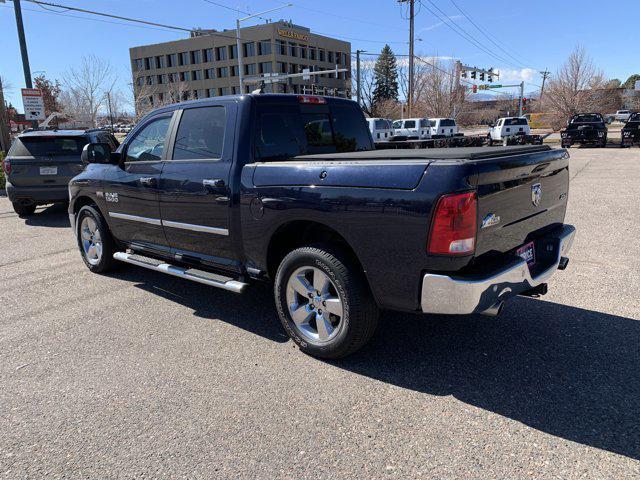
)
(148, 181)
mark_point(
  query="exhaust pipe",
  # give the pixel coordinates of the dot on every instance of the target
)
(494, 310)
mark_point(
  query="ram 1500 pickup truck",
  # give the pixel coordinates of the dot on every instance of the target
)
(289, 189)
(585, 128)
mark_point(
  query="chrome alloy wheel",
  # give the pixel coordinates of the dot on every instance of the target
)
(314, 304)
(91, 240)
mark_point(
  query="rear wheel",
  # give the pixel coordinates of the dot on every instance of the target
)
(94, 240)
(324, 302)
(24, 209)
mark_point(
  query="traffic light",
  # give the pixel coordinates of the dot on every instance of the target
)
(482, 76)
(464, 74)
(489, 77)
(473, 74)
(474, 88)
(524, 104)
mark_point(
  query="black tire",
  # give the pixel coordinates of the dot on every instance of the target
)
(359, 310)
(105, 262)
(24, 209)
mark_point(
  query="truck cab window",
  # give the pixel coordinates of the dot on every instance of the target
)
(200, 134)
(148, 144)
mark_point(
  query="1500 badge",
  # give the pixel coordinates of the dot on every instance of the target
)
(111, 197)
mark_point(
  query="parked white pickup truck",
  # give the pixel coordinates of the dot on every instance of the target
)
(512, 131)
(443, 127)
(619, 116)
(412, 128)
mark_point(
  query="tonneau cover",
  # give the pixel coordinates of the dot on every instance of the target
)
(461, 153)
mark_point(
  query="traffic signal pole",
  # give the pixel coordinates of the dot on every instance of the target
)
(23, 44)
(520, 100)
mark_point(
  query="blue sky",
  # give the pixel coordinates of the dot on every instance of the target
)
(536, 34)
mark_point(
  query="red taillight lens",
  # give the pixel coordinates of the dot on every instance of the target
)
(6, 166)
(453, 231)
(310, 99)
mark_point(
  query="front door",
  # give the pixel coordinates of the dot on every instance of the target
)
(131, 189)
(195, 193)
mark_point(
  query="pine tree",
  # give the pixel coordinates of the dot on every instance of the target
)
(386, 76)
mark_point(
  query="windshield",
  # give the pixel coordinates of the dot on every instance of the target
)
(635, 117)
(591, 118)
(515, 121)
(47, 146)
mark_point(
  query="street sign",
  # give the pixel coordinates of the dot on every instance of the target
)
(494, 86)
(33, 104)
(306, 76)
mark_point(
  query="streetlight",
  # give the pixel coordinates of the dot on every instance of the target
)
(239, 44)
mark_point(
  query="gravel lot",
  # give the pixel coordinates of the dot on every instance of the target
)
(136, 374)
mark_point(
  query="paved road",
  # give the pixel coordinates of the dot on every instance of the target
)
(135, 374)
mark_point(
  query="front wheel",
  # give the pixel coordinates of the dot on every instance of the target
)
(24, 209)
(94, 240)
(324, 302)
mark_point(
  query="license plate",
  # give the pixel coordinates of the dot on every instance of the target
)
(528, 253)
(48, 170)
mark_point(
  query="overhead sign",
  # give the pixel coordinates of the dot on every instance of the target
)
(33, 104)
(293, 35)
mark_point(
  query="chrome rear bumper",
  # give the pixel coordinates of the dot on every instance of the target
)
(461, 295)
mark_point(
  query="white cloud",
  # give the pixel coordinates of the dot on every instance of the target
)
(436, 25)
(516, 75)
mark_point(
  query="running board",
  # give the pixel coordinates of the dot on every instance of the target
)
(195, 275)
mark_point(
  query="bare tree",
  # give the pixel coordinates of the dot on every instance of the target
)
(147, 97)
(86, 87)
(578, 86)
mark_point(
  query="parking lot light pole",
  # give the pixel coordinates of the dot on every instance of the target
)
(239, 43)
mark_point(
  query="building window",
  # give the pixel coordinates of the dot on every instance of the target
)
(233, 52)
(160, 97)
(282, 67)
(235, 90)
(140, 81)
(266, 67)
(150, 80)
(208, 55)
(184, 76)
(147, 63)
(196, 75)
(221, 53)
(183, 58)
(321, 55)
(282, 47)
(234, 70)
(250, 49)
(303, 51)
(265, 47)
(137, 64)
(312, 53)
(196, 57)
(172, 60)
(224, 91)
(293, 50)
(173, 77)
(210, 92)
(223, 72)
(250, 69)
(160, 82)
(210, 74)
(185, 95)
(330, 57)
(160, 61)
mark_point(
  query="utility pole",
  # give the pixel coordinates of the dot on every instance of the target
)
(545, 75)
(358, 90)
(110, 111)
(5, 140)
(520, 99)
(23, 50)
(411, 70)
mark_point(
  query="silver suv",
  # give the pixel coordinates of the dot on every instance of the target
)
(40, 164)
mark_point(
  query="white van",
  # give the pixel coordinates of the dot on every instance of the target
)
(412, 128)
(380, 128)
(507, 127)
(443, 127)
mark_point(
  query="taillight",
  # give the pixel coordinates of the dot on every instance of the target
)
(6, 166)
(311, 99)
(453, 231)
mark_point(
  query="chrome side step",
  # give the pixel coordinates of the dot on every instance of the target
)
(195, 275)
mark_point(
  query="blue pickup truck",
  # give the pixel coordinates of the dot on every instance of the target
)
(290, 190)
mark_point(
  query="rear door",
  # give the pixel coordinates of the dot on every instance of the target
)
(195, 193)
(46, 160)
(131, 189)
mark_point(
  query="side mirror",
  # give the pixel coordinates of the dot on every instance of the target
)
(99, 153)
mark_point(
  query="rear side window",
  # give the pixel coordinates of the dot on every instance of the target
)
(47, 146)
(410, 124)
(382, 124)
(424, 123)
(200, 134)
(515, 121)
(447, 122)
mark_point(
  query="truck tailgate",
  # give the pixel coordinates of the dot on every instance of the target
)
(520, 198)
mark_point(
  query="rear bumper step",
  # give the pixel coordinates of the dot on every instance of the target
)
(199, 276)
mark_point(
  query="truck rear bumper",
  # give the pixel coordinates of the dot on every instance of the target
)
(443, 294)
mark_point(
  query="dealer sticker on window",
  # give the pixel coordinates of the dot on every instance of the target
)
(528, 253)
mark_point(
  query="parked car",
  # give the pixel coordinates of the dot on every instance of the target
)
(512, 131)
(631, 131)
(40, 164)
(585, 128)
(619, 116)
(412, 128)
(380, 128)
(443, 127)
(227, 191)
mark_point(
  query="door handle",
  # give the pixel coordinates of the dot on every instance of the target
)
(148, 181)
(213, 182)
